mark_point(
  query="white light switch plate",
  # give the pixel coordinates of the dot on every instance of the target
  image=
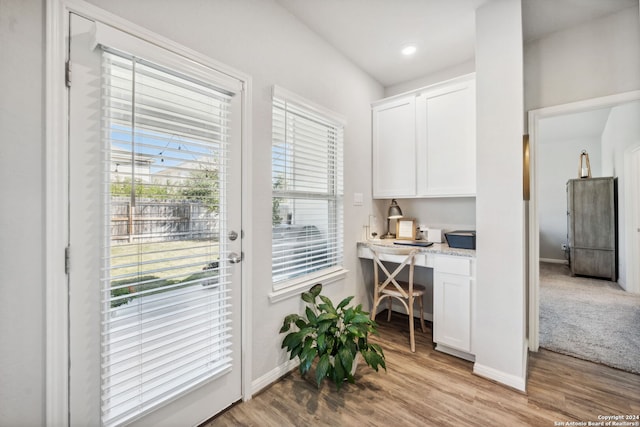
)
(358, 199)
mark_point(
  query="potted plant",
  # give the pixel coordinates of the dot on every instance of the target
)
(334, 335)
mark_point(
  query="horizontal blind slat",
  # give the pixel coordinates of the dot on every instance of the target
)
(119, 361)
(165, 294)
(307, 191)
(163, 326)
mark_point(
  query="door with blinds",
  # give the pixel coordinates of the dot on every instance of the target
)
(154, 233)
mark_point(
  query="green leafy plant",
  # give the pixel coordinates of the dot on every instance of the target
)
(204, 187)
(333, 335)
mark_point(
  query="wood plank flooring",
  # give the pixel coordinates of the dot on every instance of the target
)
(429, 388)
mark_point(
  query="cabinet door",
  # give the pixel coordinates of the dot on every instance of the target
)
(452, 311)
(446, 146)
(394, 155)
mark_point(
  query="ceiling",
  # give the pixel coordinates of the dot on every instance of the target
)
(372, 32)
(567, 127)
(588, 124)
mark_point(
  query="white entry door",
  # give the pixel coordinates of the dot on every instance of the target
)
(154, 233)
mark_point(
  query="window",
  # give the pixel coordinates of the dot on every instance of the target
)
(307, 212)
(166, 324)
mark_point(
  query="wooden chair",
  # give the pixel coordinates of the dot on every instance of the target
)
(405, 292)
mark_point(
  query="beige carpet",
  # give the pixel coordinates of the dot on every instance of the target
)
(589, 318)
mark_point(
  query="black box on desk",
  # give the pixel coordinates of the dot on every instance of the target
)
(461, 239)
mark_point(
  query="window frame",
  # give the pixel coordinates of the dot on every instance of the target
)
(283, 289)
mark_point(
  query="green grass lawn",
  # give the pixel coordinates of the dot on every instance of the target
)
(175, 258)
(162, 263)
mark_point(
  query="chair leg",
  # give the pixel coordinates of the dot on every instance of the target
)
(389, 304)
(411, 325)
(376, 301)
(420, 305)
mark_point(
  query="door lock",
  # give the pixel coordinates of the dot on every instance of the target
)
(234, 258)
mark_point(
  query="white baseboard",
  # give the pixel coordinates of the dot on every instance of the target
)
(273, 375)
(525, 363)
(622, 284)
(519, 383)
(457, 353)
(554, 261)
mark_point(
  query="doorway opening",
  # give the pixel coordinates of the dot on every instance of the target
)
(611, 150)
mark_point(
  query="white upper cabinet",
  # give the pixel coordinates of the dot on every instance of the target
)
(424, 142)
(394, 139)
(446, 149)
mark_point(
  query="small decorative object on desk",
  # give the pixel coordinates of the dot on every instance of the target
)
(434, 235)
(406, 229)
(394, 213)
(584, 170)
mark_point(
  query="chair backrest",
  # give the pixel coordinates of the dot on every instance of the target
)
(409, 255)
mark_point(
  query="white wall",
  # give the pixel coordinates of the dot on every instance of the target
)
(499, 333)
(445, 213)
(22, 344)
(621, 132)
(557, 163)
(257, 37)
(594, 59)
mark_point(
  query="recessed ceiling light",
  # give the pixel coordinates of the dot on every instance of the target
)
(409, 50)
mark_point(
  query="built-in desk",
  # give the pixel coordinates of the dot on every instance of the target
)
(454, 272)
(428, 254)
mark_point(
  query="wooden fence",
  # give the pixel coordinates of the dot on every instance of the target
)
(159, 220)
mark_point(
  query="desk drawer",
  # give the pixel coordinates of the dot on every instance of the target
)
(453, 265)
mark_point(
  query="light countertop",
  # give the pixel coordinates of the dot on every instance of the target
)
(436, 248)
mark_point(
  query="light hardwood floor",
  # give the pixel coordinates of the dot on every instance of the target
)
(428, 388)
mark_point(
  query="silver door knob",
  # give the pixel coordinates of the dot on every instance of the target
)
(234, 258)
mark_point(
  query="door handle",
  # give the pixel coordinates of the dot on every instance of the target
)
(234, 258)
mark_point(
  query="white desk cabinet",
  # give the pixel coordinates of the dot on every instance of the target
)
(453, 293)
(424, 142)
(453, 305)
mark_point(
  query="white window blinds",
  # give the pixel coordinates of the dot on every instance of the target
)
(165, 294)
(307, 191)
